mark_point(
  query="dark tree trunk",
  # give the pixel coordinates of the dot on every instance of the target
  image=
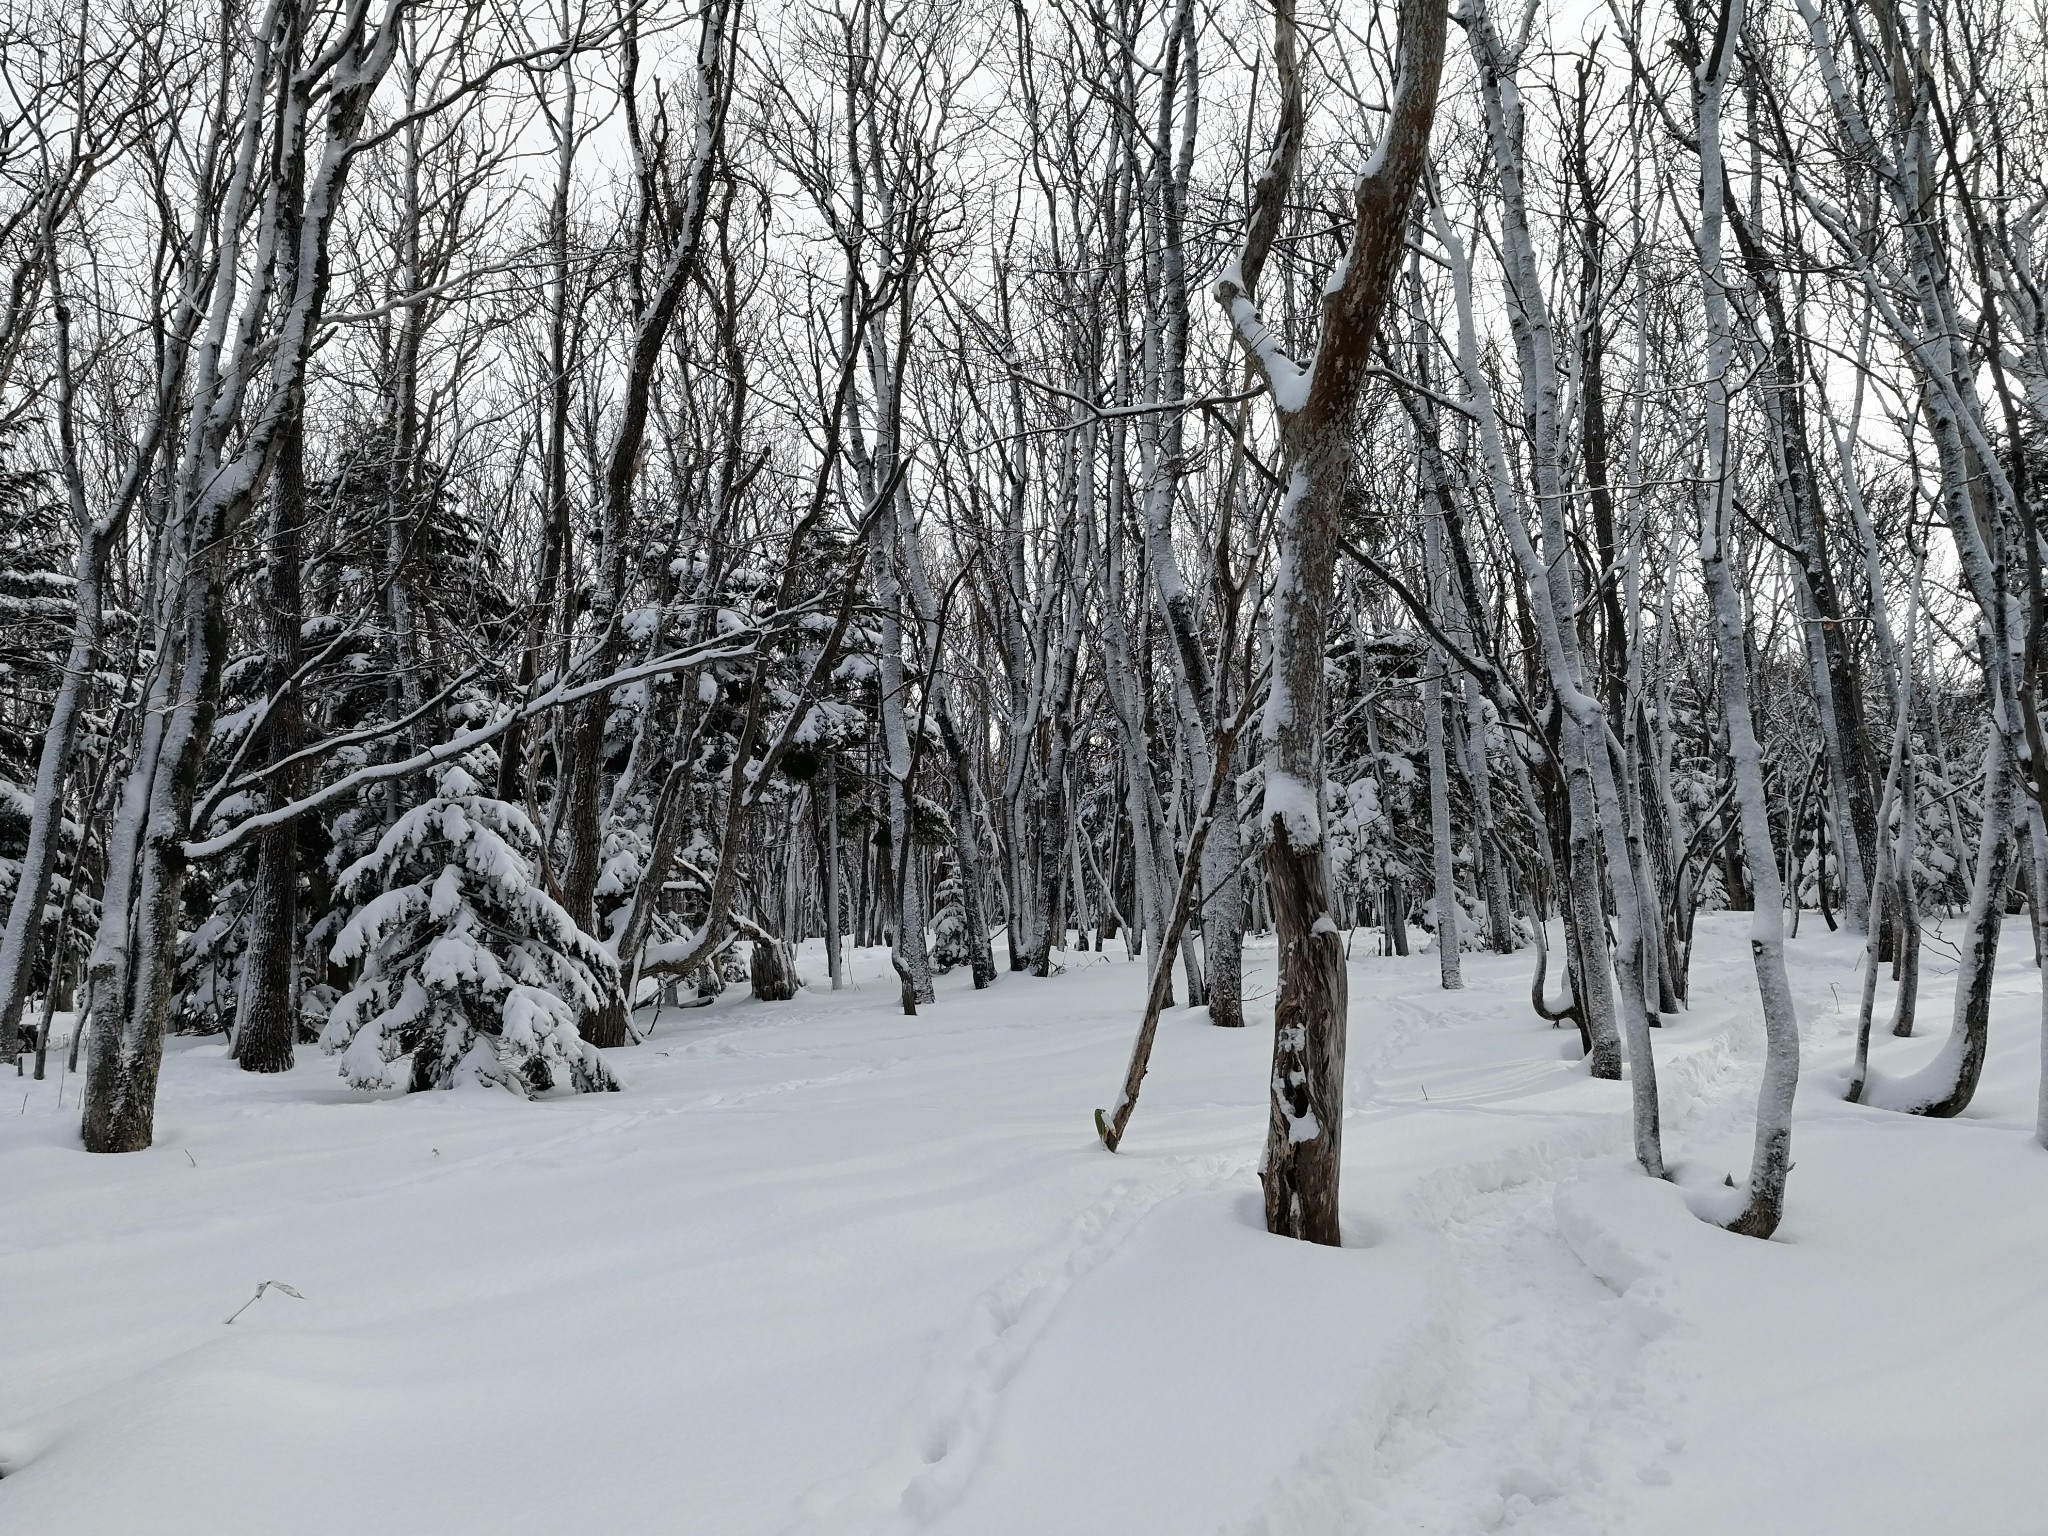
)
(772, 970)
(967, 849)
(268, 1020)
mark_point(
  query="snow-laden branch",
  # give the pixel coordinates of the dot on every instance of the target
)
(1284, 378)
(561, 695)
(1098, 412)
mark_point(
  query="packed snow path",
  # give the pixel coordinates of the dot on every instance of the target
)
(822, 1269)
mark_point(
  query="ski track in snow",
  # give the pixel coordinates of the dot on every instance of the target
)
(1406, 1022)
(1493, 1412)
(1527, 1393)
(747, 1096)
(1523, 1395)
(945, 1433)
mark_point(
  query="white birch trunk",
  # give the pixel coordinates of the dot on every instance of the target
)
(1771, 1158)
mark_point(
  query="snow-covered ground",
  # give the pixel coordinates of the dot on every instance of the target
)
(824, 1269)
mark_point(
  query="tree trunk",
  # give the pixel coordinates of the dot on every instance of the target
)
(268, 1020)
(1315, 404)
(1771, 1157)
(19, 948)
(1946, 1085)
(1433, 703)
(834, 959)
(772, 970)
(1223, 917)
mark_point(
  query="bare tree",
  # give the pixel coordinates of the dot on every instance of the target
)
(1314, 405)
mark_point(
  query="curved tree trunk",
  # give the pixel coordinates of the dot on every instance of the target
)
(1945, 1086)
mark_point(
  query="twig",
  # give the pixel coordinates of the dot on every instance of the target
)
(262, 1286)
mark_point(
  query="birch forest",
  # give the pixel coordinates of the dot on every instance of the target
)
(523, 520)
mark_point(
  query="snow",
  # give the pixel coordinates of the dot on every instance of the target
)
(1294, 804)
(1286, 379)
(823, 1270)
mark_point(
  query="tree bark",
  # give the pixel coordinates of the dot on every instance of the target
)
(1315, 404)
(1449, 970)
(268, 1020)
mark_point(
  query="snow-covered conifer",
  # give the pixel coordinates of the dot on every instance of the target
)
(951, 944)
(469, 967)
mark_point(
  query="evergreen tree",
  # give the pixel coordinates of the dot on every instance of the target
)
(950, 946)
(38, 604)
(467, 965)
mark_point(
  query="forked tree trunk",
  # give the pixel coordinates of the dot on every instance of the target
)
(1315, 405)
(134, 957)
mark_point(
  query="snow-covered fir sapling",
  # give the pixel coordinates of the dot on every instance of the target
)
(468, 966)
(951, 943)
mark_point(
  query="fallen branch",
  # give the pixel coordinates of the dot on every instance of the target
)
(1111, 1127)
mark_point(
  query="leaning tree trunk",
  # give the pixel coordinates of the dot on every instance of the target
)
(1112, 1125)
(1597, 800)
(97, 539)
(19, 949)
